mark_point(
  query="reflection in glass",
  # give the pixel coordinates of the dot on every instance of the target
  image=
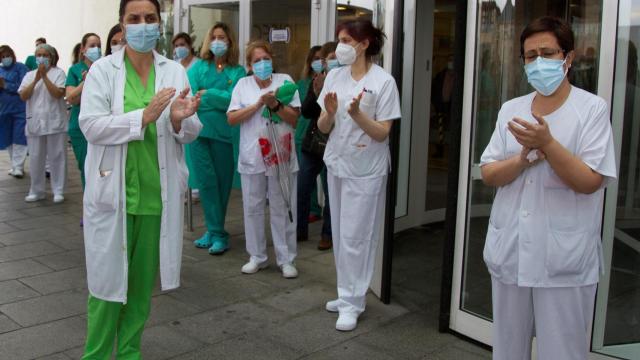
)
(499, 77)
(289, 17)
(203, 17)
(619, 292)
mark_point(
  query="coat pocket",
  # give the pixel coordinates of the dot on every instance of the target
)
(561, 204)
(569, 253)
(495, 251)
(103, 191)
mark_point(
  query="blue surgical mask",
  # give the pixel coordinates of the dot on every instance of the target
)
(332, 64)
(317, 66)
(93, 54)
(545, 75)
(218, 47)
(42, 60)
(142, 37)
(263, 69)
(181, 52)
(7, 61)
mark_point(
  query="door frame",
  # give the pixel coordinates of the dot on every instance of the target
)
(461, 321)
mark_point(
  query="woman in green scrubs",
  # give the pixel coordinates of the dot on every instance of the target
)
(212, 154)
(136, 117)
(90, 49)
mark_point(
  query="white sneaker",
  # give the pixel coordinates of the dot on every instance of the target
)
(18, 173)
(253, 267)
(347, 321)
(33, 198)
(58, 199)
(10, 172)
(332, 306)
(289, 271)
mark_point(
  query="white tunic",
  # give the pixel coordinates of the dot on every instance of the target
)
(350, 152)
(246, 93)
(541, 232)
(45, 114)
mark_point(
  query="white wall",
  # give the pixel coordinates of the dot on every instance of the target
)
(61, 22)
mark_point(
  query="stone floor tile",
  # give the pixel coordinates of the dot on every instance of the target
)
(21, 268)
(23, 251)
(12, 290)
(70, 279)
(46, 308)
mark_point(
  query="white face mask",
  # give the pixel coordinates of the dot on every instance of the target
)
(346, 54)
(116, 48)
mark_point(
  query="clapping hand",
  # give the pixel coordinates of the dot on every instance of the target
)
(184, 107)
(354, 107)
(331, 103)
(532, 136)
(269, 99)
(158, 103)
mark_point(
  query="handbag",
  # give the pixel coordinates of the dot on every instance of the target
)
(314, 141)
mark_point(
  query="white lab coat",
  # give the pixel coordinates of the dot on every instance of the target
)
(108, 131)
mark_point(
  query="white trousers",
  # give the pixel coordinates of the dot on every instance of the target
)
(49, 148)
(18, 155)
(357, 209)
(255, 189)
(559, 318)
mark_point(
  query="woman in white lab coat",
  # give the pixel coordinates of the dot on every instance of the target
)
(249, 99)
(550, 156)
(136, 115)
(359, 102)
(47, 121)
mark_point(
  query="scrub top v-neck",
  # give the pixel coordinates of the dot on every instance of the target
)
(142, 172)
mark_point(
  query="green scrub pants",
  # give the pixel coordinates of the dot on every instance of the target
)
(108, 320)
(213, 169)
(79, 145)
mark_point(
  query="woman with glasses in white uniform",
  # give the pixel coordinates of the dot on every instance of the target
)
(551, 156)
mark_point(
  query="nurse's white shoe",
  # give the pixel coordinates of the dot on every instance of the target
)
(253, 267)
(332, 306)
(57, 199)
(33, 198)
(347, 321)
(289, 271)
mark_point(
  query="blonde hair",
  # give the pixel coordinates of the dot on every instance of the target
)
(257, 44)
(231, 56)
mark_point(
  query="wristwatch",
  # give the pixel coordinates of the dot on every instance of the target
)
(277, 107)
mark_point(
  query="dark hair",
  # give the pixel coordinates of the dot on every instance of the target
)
(8, 48)
(558, 27)
(42, 40)
(328, 48)
(362, 30)
(307, 70)
(75, 54)
(114, 30)
(123, 5)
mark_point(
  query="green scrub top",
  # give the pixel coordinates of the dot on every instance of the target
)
(142, 171)
(74, 78)
(303, 122)
(203, 75)
(31, 62)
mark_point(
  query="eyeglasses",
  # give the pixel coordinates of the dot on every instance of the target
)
(547, 53)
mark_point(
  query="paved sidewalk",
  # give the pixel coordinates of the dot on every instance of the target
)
(218, 313)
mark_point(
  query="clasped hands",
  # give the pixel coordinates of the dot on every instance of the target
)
(531, 137)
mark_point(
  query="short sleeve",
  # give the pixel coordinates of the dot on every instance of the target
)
(595, 145)
(388, 101)
(72, 79)
(236, 100)
(26, 80)
(495, 150)
(295, 102)
(60, 79)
